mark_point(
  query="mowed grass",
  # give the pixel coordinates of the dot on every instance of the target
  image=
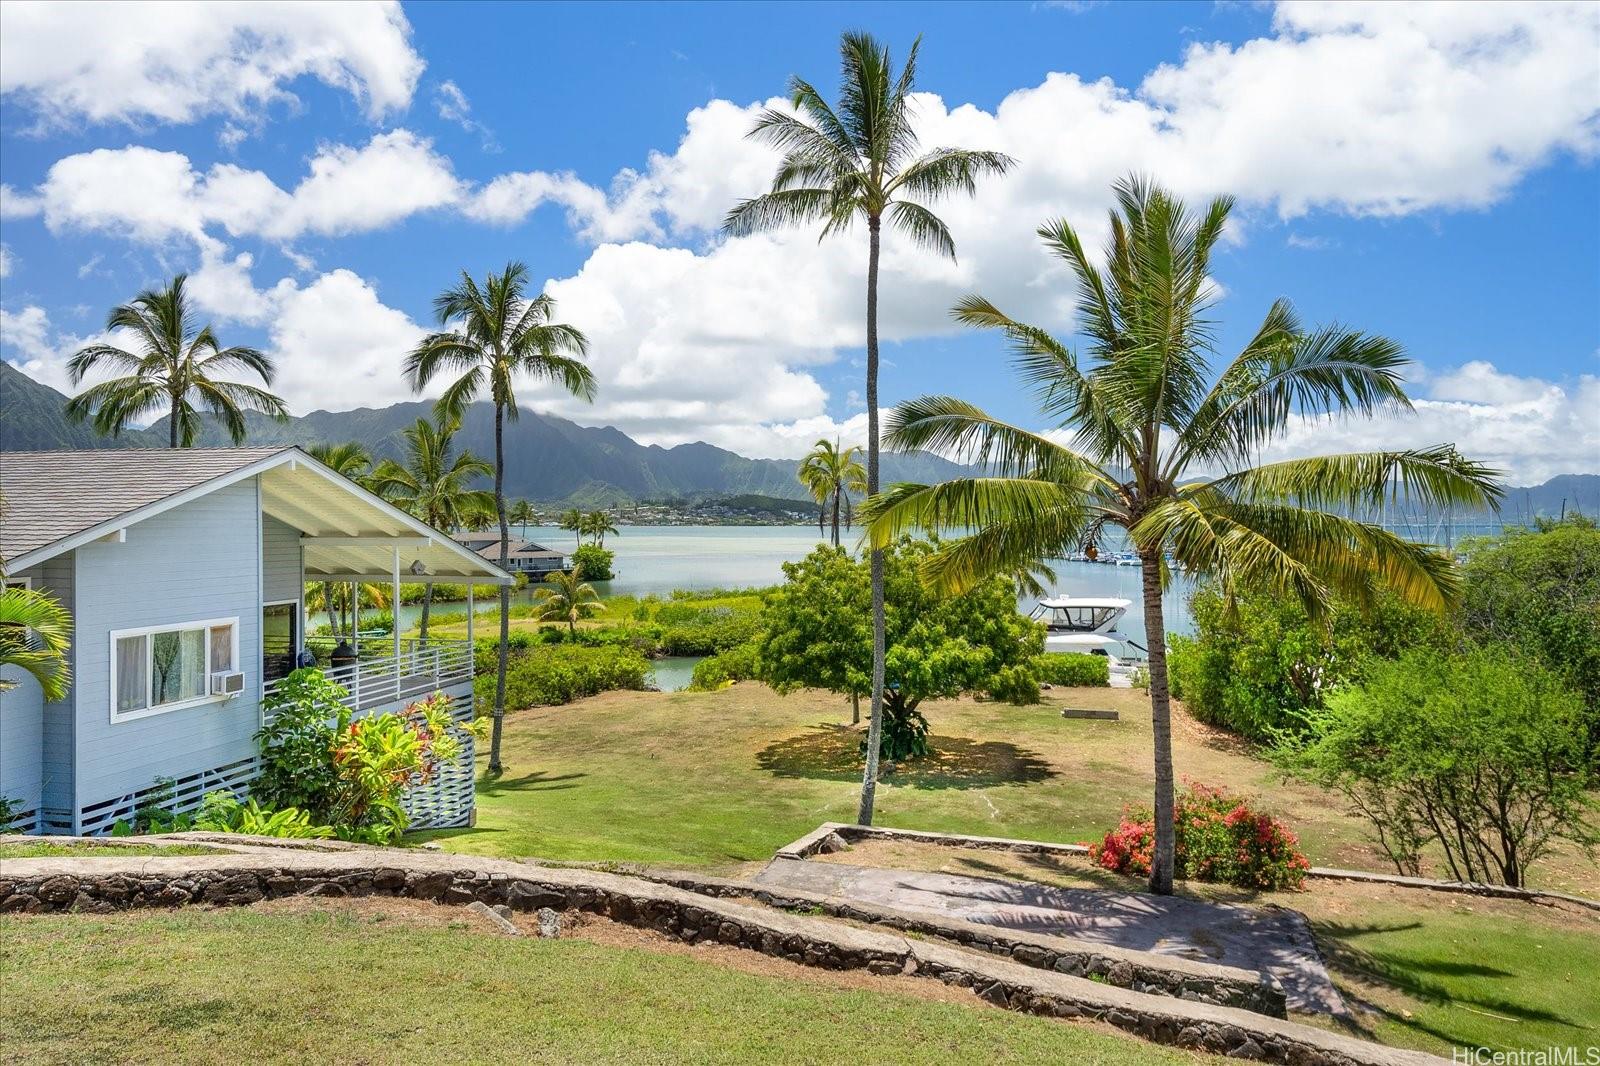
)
(722, 779)
(34, 848)
(259, 984)
(1420, 969)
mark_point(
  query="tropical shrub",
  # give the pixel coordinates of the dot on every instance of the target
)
(550, 675)
(593, 563)
(1016, 684)
(304, 715)
(817, 633)
(1219, 838)
(706, 631)
(486, 650)
(1258, 663)
(1480, 755)
(221, 812)
(742, 663)
(1073, 670)
(1539, 590)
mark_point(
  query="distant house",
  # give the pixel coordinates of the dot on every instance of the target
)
(525, 556)
(184, 572)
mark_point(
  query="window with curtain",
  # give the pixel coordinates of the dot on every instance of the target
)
(159, 668)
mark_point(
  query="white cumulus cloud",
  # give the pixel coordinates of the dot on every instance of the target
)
(175, 62)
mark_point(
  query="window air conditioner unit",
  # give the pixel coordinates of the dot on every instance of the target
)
(230, 683)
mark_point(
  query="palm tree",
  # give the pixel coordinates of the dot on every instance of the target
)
(860, 161)
(499, 334)
(565, 598)
(1150, 428)
(572, 520)
(349, 460)
(832, 473)
(35, 631)
(173, 371)
(523, 514)
(597, 524)
(434, 484)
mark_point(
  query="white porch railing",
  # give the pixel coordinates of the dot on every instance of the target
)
(421, 669)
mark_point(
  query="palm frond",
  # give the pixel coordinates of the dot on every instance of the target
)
(1435, 478)
(923, 227)
(946, 170)
(775, 210)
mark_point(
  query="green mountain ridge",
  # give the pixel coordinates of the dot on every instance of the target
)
(552, 459)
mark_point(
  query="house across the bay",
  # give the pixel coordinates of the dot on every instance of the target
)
(185, 572)
(524, 557)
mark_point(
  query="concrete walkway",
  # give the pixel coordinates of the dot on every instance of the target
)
(1269, 940)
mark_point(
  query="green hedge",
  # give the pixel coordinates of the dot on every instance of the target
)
(547, 675)
(742, 663)
(1073, 669)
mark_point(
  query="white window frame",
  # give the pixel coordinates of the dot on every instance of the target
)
(17, 583)
(149, 671)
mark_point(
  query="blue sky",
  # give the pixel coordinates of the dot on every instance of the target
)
(1426, 173)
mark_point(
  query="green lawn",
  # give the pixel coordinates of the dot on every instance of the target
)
(724, 778)
(204, 986)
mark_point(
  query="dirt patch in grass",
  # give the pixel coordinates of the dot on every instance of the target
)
(833, 753)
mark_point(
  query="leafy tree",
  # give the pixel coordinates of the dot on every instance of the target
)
(592, 562)
(174, 369)
(597, 524)
(1539, 590)
(1145, 418)
(832, 473)
(498, 335)
(1258, 663)
(859, 160)
(433, 484)
(35, 632)
(818, 635)
(1480, 756)
(565, 598)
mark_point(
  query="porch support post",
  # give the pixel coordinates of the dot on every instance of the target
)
(394, 608)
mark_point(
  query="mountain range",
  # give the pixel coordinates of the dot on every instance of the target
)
(554, 459)
(547, 458)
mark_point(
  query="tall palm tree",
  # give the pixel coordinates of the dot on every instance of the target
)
(572, 520)
(173, 370)
(434, 484)
(565, 598)
(859, 160)
(597, 524)
(1169, 452)
(498, 335)
(523, 514)
(832, 473)
(349, 460)
(35, 631)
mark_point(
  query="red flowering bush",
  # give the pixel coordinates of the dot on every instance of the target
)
(1218, 838)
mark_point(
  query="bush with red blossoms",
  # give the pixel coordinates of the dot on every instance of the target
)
(1218, 838)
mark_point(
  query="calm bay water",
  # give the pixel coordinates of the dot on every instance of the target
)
(658, 559)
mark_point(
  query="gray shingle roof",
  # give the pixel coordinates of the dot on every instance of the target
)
(49, 496)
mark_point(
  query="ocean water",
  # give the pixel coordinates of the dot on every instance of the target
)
(658, 559)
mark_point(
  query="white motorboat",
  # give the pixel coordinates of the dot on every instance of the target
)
(1084, 624)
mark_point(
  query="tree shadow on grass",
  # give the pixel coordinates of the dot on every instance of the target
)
(1418, 980)
(833, 753)
(537, 781)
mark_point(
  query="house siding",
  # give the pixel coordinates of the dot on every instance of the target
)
(198, 561)
(280, 561)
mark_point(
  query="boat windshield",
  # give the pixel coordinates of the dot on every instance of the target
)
(1077, 619)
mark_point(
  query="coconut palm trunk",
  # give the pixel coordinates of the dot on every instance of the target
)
(1161, 863)
(869, 777)
(427, 604)
(505, 590)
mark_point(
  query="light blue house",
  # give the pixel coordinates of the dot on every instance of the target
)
(185, 573)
